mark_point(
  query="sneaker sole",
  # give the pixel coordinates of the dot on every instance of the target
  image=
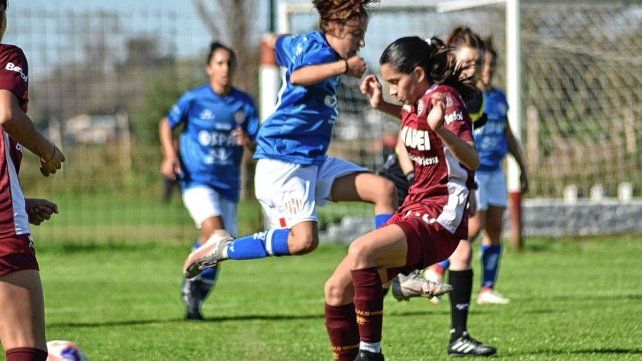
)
(198, 260)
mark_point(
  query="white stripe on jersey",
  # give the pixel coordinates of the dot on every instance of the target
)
(453, 212)
(20, 219)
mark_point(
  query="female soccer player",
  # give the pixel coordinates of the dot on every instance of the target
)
(437, 133)
(469, 50)
(494, 140)
(22, 314)
(219, 121)
(293, 173)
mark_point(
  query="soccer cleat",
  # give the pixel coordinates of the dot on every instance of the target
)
(413, 285)
(208, 255)
(490, 296)
(369, 356)
(431, 275)
(192, 299)
(465, 345)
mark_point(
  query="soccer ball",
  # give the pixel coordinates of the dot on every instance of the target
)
(60, 350)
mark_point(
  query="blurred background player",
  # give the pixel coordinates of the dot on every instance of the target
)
(469, 51)
(22, 309)
(293, 173)
(219, 120)
(494, 139)
(436, 133)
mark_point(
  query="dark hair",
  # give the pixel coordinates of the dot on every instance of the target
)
(464, 36)
(341, 11)
(3, 5)
(437, 60)
(490, 48)
(214, 46)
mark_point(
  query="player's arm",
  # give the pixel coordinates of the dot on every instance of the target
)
(20, 127)
(465, 151)
(312, 74)
(405, 163)
(372, 87)
(170, 166)
(39, 210)
(515, 150)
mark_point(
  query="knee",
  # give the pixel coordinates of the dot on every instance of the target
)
(388, 191)
(303, 243)
(334, 293)
(359, 254)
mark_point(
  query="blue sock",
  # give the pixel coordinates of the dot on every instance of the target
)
(381, 219)
(260, 245)
(490, 264)
(445, 264)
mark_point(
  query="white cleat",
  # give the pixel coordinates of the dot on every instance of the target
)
(208, 255)
(406, 287)
(431, 275)
(490, 296)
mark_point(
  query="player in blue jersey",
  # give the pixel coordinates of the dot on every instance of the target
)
(293, 174)
(219, 120)
(494, 139)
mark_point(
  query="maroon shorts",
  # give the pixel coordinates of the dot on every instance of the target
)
(17, 254)
(428, 241)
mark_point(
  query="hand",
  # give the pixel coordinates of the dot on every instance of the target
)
(523, 180)
(356, 66)
(436, 115)
(170, 168)
(472, 203)
(39, 210)
(371, 86)
(53, 163)
(242, 138)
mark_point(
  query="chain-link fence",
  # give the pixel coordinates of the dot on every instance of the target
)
(101, 80)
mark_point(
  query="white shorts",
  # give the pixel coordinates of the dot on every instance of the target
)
(203, 202)
(492, 189)
(289, 193)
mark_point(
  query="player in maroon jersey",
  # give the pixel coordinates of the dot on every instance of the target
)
(22, 321)
(437, 133)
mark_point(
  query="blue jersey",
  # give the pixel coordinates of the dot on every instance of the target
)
(490, 139)
(300, 129)
(208, 151)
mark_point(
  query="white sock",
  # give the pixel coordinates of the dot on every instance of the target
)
(371, 347)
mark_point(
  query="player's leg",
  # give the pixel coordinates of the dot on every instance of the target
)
(22, 316)
(354, 294)
(497, 197)
(361, 186)
(286, 194)
(206, 208)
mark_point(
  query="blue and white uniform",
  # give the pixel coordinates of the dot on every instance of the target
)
(293, 172)
(210, 157)
(492, 146)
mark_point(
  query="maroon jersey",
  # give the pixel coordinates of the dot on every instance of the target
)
(441, 185)
(13, 77)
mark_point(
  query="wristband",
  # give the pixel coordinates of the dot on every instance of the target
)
(410, 176)
(347, 66)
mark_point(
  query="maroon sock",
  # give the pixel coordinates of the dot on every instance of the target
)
(26, 354)
(341, 323)
(368, 301)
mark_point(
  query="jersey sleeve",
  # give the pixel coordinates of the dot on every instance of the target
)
(14, 72)
(281, 48)
(251, 125)
(179, 111)
(457, 119)
(312, 53)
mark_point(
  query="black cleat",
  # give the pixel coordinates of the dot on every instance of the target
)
(468, 346)
(369, 356)
(194, 315)
(191, 297)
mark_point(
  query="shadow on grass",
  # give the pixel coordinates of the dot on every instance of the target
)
(181, 320)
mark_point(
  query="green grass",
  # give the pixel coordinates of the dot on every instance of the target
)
(570, 301)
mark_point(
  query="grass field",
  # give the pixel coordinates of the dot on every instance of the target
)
(571, 300)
